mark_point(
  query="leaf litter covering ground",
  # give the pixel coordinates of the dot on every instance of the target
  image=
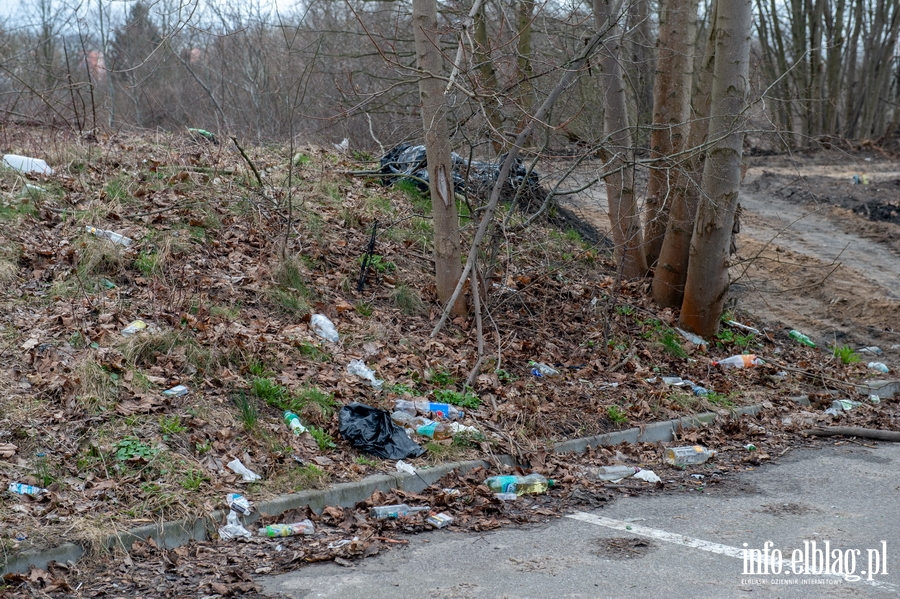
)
(228, 300)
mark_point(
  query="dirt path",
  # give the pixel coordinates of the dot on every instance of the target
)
(805, 259)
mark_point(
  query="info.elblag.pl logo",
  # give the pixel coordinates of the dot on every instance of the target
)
(817, 560)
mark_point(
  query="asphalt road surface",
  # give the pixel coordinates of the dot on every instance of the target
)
(764, 536)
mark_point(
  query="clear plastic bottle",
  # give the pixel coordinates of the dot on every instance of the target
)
(111, 235)
(739, 361)
(532, 484)
(687, 455)
(801, 338)
(541, 370)
(430, 409)
(398, 510)
(612, 472)
(293, 421)
(304, 527)
(23, 489)
(879, 366)
(422, 426)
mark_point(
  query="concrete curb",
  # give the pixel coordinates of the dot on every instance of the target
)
(179, 532)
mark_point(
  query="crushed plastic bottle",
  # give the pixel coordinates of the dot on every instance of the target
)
(801, 338)
(697, 389)
(399, 510)
(293, 421)
(23, 489)
(238, 467)
(116, 238)
(359, 368)
(422, 426)
(692, 338)
(304, 527)
(532, 484)
(430, 409)
(323, 327)
(26, 164)
(879, 366)
(612, 473)
(541, 370)
(134, 327)
(739, 361)
(688, 455)
(871, 349)
(176, 391)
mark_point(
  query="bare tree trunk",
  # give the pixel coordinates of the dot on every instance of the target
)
(707, 281)
(447, 253)
(671, 108)
(488, 82)
(623, 214)
(671, 271)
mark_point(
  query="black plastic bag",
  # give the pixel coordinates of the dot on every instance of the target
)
(373, 431)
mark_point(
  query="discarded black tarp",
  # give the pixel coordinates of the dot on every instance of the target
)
(473, 177)
(371, 430)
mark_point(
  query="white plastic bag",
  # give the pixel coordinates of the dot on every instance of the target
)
(359, 368)
(234, 528)
(323, 327)
(648, 475)
(237, 467)
(405, 467)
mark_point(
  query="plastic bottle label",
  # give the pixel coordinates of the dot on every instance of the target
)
(504, 484)
(427, 430)
(439, 410)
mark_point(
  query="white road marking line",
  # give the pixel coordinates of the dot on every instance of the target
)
(686, 541)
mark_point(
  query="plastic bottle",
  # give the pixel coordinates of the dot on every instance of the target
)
(176, 391)
(423, 426)
(612, 472)
(531, 484)
(323, 327)
(429, 408)
(23, 489)
(879, 366)
(395, 511)
(134, 327)
(26, 164)
(304, 527)
(801, 338)
(542, 370)
(111, 235)
(689, 454)
(698, 390)
(739, 361)
(293, 421)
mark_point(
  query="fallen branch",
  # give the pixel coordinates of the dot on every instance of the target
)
(854, 431)
(394, 541)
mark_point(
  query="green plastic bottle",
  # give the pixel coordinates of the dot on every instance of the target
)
(801, 338)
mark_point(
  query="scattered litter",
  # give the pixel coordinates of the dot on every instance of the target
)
(293, 421)
(392, 512)
(874, 399)
(134, 327)
(871, 349)
(451, 492)
(233, 528)
(648, 475)
(341, 543)
(34, 189)
(474, 176)
(739, 361)
(687, 455)
(430, 409)
(520, 485)
(116, 238)
(23, 489)
(405, 467)
(371, 430)
(879, 366)
(845, 405)
(237, 467)
(801, 338)
(750, 447)
(21, 536)
(612, 473)
(695, 339)
(203, 134)
(359, 368)
(323, 327)
(304, 527)
(423, 426)
(238, 503)
(698, 476)
(607, 386)
(674, 381)
(541, 370)
(506, 496)
(744, 327)
(439, 520)
(697, 389)
(176, 391)
(26, 164)
(833, 412)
